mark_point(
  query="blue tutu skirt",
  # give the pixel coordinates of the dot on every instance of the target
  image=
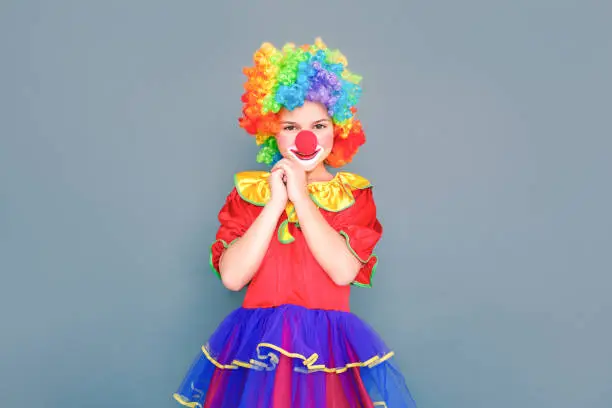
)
(291, 356)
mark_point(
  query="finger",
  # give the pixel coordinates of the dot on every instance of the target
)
(283, 166)
(288, 164)
(279, 173)
(294, 162)
(291, 164)
(275, 174)
(279, 177)
(278, 164)
(287, 161)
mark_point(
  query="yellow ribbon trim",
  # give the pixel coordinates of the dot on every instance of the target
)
(185, 402)
(333, 195)
(309, 365)
(308, 362)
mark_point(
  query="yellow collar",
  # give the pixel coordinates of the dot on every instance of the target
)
(333, 195)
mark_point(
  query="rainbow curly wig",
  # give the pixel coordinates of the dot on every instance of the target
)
(285, 79)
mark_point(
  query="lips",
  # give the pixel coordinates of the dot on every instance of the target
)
(303, 156)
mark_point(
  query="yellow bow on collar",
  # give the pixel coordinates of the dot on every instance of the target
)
(333, 195)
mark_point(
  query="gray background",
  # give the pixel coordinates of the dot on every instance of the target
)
(488, 145)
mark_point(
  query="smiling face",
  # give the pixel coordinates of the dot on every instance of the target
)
(306, 135)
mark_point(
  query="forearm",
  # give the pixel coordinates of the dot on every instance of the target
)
(327, 246)
(242, 259)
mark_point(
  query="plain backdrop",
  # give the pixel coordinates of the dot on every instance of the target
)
(488, 145)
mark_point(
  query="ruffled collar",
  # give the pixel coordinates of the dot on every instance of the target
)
(333, 195)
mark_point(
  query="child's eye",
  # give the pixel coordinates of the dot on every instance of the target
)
(320, 126)
(289, 127)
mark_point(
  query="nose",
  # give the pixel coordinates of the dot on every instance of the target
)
(306, 142)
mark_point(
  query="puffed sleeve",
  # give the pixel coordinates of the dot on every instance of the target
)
(235, 218)
(361, 229)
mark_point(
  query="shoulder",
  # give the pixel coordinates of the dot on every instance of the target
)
(252, 186)
(251, 176)
(353, 181)
(359, 186)
(340, 193)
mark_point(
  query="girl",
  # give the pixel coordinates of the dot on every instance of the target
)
(298, 237)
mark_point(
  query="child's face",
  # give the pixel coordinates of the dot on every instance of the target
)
(306, 134)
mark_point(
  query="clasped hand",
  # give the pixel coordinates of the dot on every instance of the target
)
(288, 182)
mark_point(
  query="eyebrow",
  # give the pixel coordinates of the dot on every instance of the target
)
(295, 123)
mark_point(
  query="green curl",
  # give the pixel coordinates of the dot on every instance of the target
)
(268, 153)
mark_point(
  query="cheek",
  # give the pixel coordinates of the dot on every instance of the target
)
(284, 142)
(326, 138)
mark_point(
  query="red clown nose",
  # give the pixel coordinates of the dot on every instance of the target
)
(306, 142)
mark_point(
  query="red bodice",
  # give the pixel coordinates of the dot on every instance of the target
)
(289, 273)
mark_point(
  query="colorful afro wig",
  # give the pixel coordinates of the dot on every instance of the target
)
(287, 78)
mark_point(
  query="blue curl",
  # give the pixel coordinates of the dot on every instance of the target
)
(276, 158)
(291, 96)
(320, 81)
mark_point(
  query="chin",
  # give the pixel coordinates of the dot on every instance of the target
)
(311, 167)
(310, 163)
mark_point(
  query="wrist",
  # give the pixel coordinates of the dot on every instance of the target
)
(302, 202)
(276, 207)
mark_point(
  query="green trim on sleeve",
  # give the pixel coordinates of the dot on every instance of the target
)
(210, 258)
(363, 261)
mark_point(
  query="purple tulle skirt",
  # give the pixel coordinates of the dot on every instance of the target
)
(291, 356)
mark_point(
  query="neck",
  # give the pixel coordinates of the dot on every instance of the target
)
(319, 173)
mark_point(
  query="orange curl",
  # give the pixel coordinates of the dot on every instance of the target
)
(346, 143)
